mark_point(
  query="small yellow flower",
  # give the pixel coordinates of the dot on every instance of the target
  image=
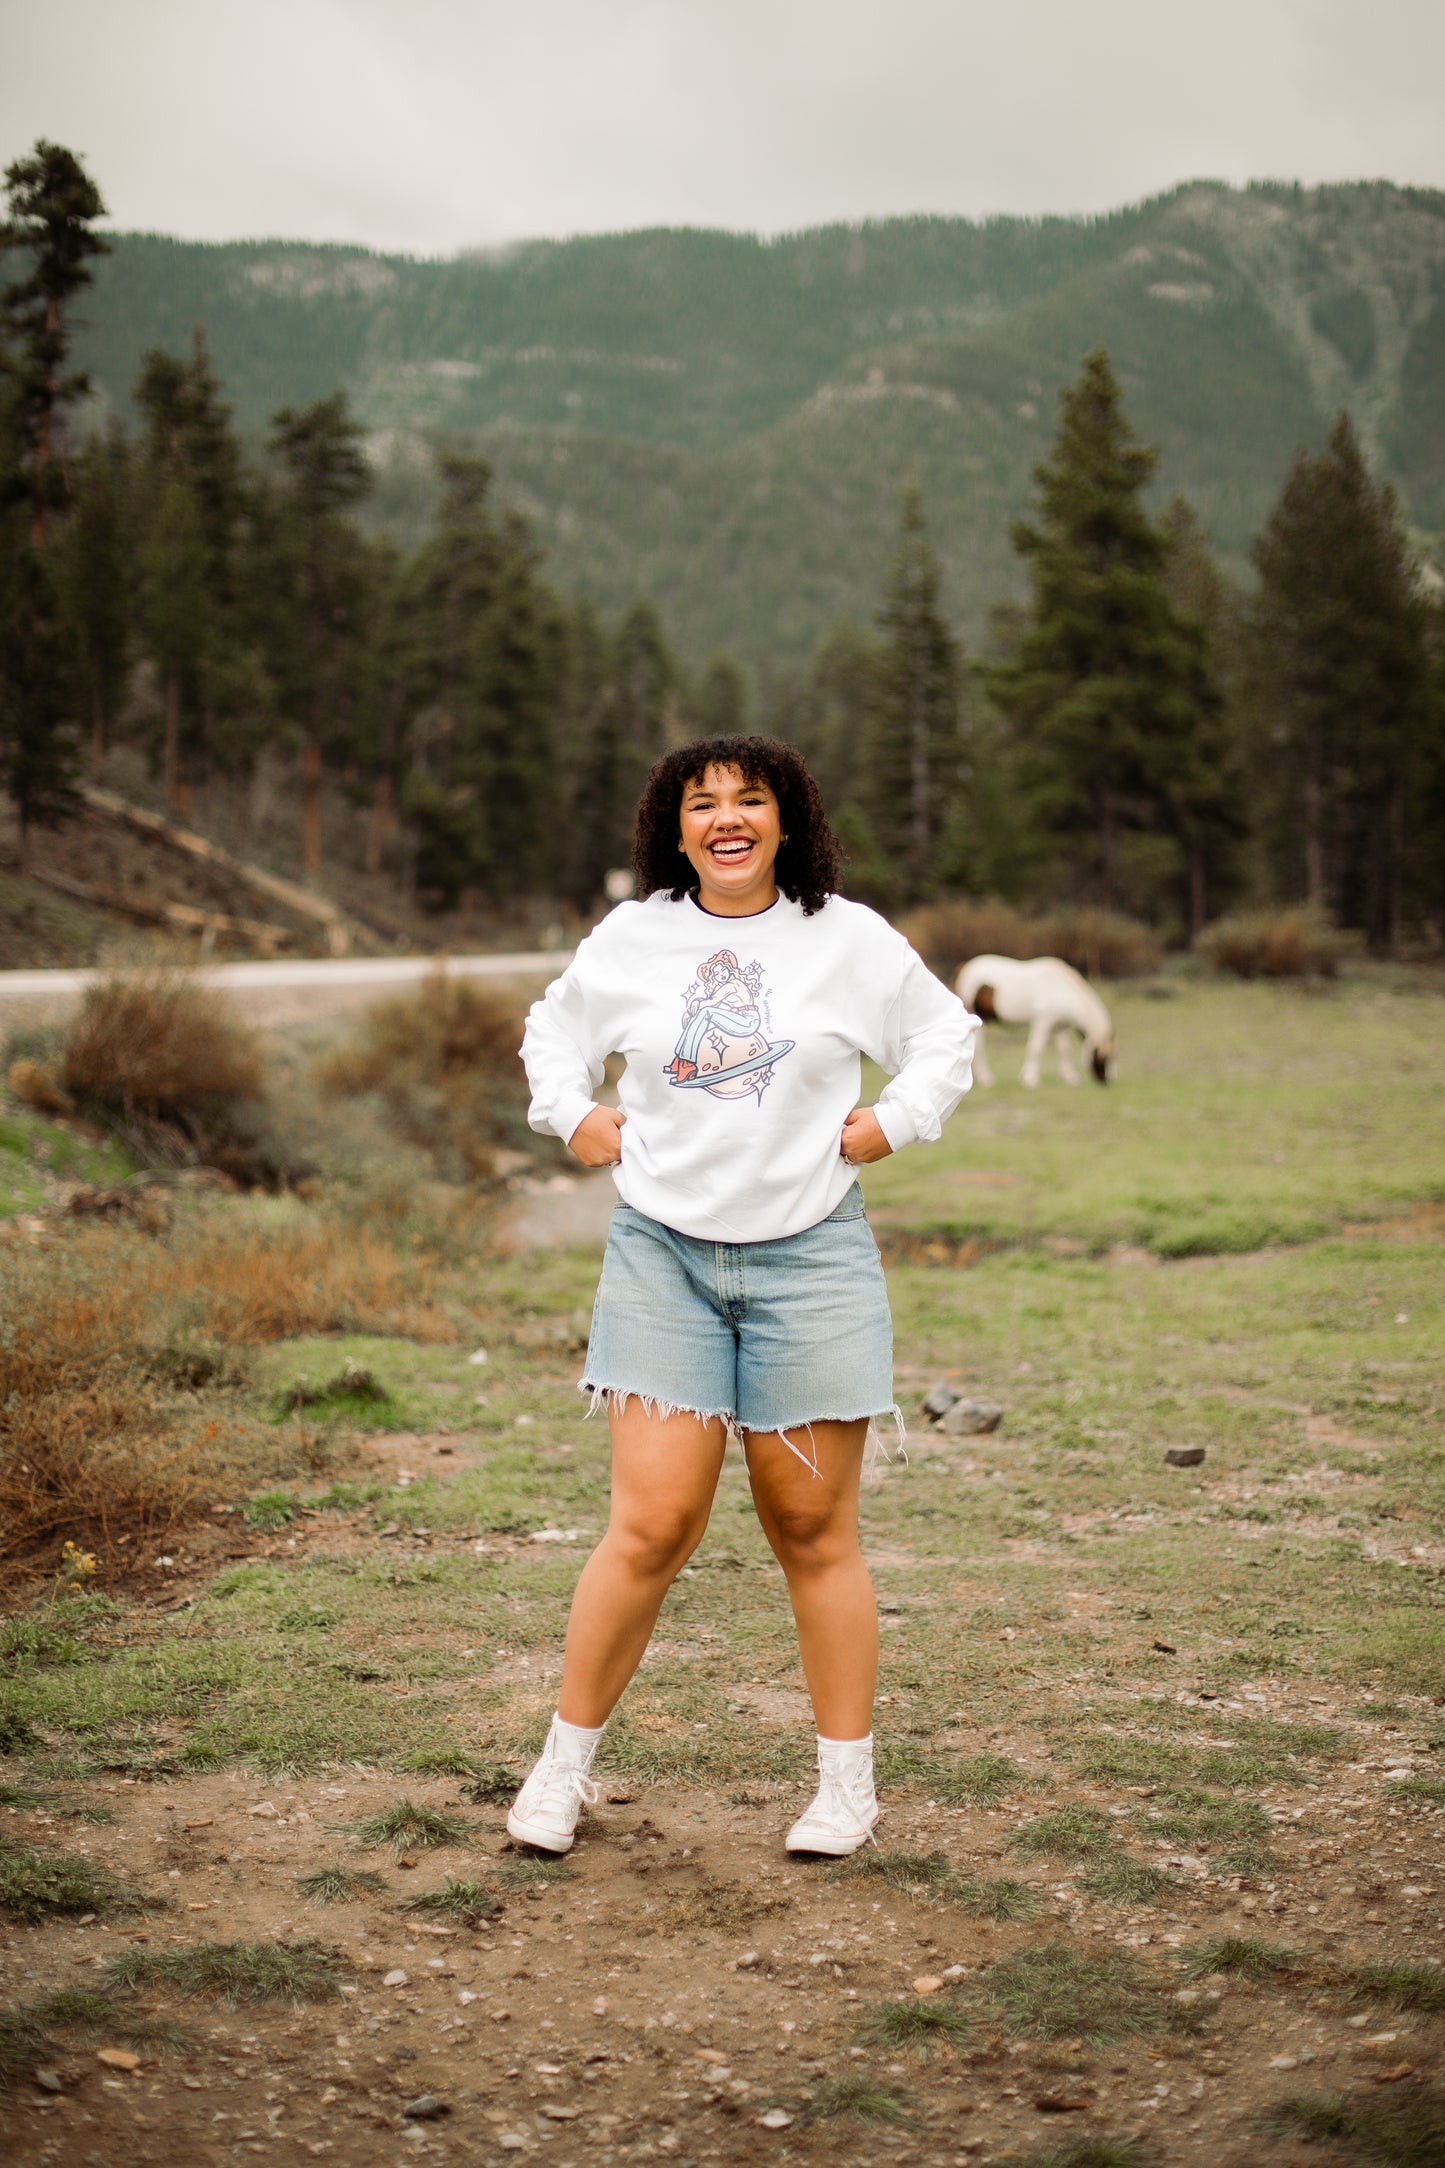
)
(76, 1565)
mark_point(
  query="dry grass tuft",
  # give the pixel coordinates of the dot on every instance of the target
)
(1295, 944)
(444, 1063)
(86, 1450)
(159, 1044)
(1101, 944)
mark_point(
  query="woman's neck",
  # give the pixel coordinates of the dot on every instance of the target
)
(717, 906)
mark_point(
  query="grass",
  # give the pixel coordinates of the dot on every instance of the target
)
(1054, 1991)
(1232, 1830)
(1409, 1987)
(530, 1871)
(931, 1877)
(1126, 1881)
(28, 2029)
(1422, 1791)
(1245, 1957)
(722, 1908)
(468, 1901)
(407, 1826)
(922, 2023)
(1090, 2153)
(1401, 2130)
(861, 2097)
(338, 1885)
(235, 1972)
(1076, 1833)
(37, 1885)
(495, 1787)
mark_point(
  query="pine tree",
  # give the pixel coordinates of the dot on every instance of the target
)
(914, 744)
(1103, 686)
(95, 558)
(1208, 788)
(1341, 645)
(629, 734)
(486, 680)
(719, 706)
(317, 618)
(52, 204)
(827, 710)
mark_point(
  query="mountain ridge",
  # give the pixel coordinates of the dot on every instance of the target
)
(724, 422)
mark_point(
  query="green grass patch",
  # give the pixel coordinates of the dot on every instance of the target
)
(353, 1390)
(920, 2022)
(1409, 1987)
(28, 2030)
(529, 1871)
(1076, 1833)
(861, 2097)
(494, 1787)
(235, 1972)
(1245, 1957)
(458, 1899)
(1132, 1761)
(443, 1761)
(37, 1885)
(1125, 1881)
(1368, 2130)
(272, 1509)
(1054, 1990)
(1424, 1791)
(1090, 2153)
(407, 1826)
(932, 1878)
(339, 1885)
(1231, 1830)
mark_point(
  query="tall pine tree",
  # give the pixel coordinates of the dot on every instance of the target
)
(914, 744)
(52, 205)
(1103, 687)
(1341, 647)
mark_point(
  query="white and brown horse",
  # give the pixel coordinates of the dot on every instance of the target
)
(1051, 998)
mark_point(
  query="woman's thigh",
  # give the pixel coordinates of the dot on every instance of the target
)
(665, 1470)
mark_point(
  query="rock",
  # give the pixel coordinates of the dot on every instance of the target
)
(1184, 1456)
(48, 2081)
(929, 1984)
(466, 1996)
(264, 1808)
(1284, 2062)
(938, 1402)
(559, 2112)
(971, 1418)
(426, 2108)
(599, 2006)
(395, 1978)
(511, 2141)
(775, 2119)
(1060, 2103)
(117, 2058)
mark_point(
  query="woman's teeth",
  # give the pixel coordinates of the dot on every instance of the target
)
(735, 847)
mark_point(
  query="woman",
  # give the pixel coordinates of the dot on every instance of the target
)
(741, 1289)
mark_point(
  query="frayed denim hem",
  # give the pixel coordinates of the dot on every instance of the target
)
(874, 1446)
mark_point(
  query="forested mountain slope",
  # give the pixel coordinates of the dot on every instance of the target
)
(723, 424)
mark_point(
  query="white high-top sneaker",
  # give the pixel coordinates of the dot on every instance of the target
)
(544, 1812)
(844, 1809)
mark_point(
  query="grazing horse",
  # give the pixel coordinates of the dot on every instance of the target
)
(1051, 998)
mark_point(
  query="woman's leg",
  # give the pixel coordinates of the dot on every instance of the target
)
(665, 1469)
(811, 1521)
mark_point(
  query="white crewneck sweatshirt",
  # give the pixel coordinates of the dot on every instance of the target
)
(742, 1039)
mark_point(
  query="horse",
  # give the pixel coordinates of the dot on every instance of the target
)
(1051, 998)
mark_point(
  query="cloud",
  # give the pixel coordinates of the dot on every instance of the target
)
(437, 124)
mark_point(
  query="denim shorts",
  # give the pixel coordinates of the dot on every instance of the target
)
(770, 1335)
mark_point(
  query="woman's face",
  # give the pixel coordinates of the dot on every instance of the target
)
(730, 831)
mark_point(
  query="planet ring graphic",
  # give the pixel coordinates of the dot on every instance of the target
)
(775, 1052)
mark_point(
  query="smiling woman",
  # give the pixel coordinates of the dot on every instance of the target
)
(742, 1293)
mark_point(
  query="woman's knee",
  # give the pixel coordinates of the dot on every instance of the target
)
(655, 1548)
(811, 1536)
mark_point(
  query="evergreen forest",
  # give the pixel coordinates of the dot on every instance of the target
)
(1055, 619)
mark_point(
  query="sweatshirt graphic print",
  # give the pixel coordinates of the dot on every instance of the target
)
(743, 1041)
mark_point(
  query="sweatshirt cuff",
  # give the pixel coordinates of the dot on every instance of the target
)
(896, 1123)
(567, 1114)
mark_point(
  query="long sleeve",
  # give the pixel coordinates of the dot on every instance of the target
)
(927, 1041)
(563, 1061)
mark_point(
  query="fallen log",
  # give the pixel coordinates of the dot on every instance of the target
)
(181, 917)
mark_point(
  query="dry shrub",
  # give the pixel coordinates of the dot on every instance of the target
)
(158, 1044)
(445, 1063)
(1101, 944)
(86, 1451)
(1293, 944)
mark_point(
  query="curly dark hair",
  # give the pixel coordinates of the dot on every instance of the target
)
(809, 857)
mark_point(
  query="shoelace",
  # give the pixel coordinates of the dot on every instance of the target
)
(559, 1781)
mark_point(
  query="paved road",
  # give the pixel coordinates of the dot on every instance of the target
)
(290, 992)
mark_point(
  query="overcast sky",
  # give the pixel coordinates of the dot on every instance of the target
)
(434, 125)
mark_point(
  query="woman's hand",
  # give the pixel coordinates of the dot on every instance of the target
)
(863, 1138)
(597, 1139)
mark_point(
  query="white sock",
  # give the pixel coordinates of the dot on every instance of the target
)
(842, 1750)
(575, 1742)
